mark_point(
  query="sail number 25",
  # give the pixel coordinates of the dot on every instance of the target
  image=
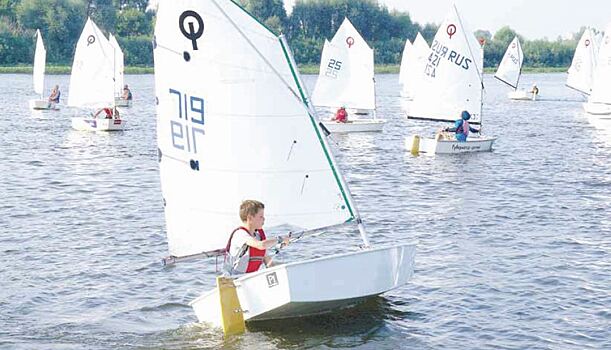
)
(188, 123)
(333, 68)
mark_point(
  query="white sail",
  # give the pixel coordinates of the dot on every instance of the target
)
(40, 58)
(601, 84)
(118, 65)
(91, 82)
(407, 49)
(510, 68)
(232, 124)
(451, 79)
(581, 71)
(417, 57)
(346, 76)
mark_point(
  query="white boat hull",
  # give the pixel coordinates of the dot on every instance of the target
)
(597, 108)
(521, 95)
(433, 146)
(90, 124)
(314, 286)
(119, 102)
(355, 125)
(42, 105)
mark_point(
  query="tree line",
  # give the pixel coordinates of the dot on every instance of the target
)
(311, 21)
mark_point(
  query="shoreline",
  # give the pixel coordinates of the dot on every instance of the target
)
(303, 69)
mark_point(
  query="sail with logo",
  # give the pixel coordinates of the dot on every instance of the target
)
(38, 76)
(346, 79)
(451, 81)
(510, 70)
(599, 101)
(244, 130)
(411, 62)
(92, 83)
(581, 72)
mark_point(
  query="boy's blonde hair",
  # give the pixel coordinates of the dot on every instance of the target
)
(250, 207)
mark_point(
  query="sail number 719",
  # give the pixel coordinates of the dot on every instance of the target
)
(188, 123)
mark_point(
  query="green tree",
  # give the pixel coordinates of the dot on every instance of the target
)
(132, 22)
(60, 21)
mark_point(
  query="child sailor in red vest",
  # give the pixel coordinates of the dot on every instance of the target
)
(247, 244)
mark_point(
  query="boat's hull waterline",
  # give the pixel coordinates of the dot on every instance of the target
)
(597, 108)
(42, 105)
(119, 102)
(521, 95)
(314, 286)
(419, 144)
(90, 124)
(355, 125)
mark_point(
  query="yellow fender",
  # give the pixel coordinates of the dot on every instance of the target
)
(231, 311)
(416, 145)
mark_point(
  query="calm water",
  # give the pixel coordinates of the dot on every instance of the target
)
(514, 246)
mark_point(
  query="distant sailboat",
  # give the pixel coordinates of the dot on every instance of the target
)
(346, 79)
(407, 49)
(451, 81)
(510, 70)
(118, 67)
(92, 84)
(581, 72)
(599, 102)
(244, 129)
(411, 63)
(40, 57)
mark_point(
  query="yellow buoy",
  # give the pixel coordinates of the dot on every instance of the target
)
(231, 311)
(415, 145)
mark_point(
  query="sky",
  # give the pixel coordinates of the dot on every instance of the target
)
(533, 19)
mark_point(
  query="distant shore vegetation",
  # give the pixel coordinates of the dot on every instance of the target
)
(306, 28)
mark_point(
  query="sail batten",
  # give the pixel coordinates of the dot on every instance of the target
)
(222, 143)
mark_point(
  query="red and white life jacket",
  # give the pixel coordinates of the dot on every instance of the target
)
(249, 259)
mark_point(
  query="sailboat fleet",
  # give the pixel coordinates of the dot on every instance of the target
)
(249, 88)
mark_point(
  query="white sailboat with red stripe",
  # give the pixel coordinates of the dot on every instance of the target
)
(243, 129)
